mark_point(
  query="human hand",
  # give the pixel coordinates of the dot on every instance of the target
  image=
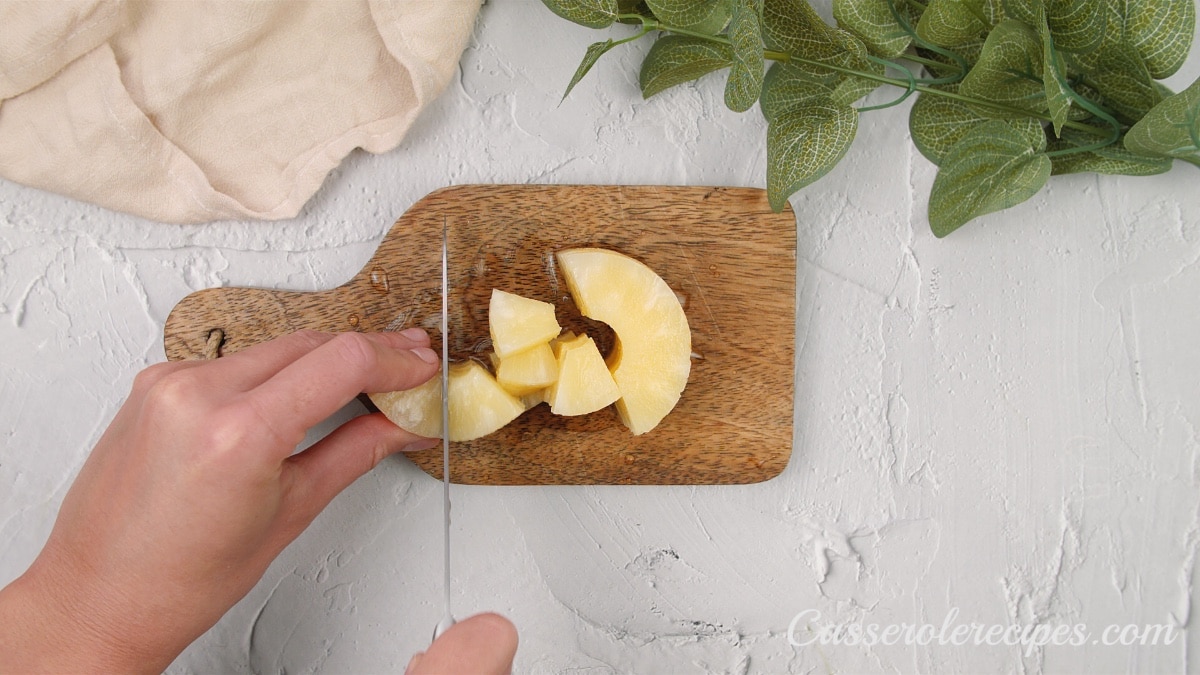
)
(194, 489)
(483, 644)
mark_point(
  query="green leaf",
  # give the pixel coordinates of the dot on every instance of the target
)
(789, 83)
(999, 164)
(1124, 82)
(1171, 128)
(1111, 159)
(852, 55)
(803, 143)
(873, 22)
(702, 16)
(1054, 77)
(1082, 90)
(947, 23)
(590, 13)
(786, 86)
(936, 123)
(993, 11)
(638, 7)
(746, 75)
(795, 27)
(1112, 16)
(675, 59)
(1161, 31)
(593, 54)
(850, 88)
(969, 52)
(1024, 11)
(1076, 25)
(1143, 40)
(1009, 71)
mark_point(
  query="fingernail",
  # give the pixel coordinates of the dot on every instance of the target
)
(425, 354)
(423, 444)
(414, 333)
(412, 664)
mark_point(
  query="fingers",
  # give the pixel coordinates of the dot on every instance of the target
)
(336, 461)
(484, 643)
(320, 382)
(254, 365)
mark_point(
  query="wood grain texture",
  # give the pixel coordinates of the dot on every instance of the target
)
(731, 260)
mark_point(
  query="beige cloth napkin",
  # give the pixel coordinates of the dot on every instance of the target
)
(191, 111)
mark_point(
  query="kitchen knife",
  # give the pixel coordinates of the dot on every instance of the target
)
(447, 617)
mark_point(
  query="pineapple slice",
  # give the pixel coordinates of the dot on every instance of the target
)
(478, 405)
(527, 371)
(518, 323)
(651, 360)
(584, 384)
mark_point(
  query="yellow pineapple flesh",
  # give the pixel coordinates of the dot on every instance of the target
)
(651, 360)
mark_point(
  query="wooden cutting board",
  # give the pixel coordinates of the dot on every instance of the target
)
(728, 256)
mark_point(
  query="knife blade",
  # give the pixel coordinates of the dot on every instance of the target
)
(447, 617)
(445, 357)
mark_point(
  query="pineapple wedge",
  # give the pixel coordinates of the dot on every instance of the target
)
(517, 323)
(584, 384)
(528, 371)
(478, 405)
(417, 410)
(651, 360)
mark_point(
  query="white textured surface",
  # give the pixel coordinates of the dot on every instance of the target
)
(1004, 422)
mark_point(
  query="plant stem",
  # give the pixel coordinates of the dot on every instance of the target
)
(650, 24)
(917, 40)
(908, 90)
(915, 58)
(1114, 127)
(926, 89)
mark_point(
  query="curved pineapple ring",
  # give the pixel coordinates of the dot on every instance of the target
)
(650, 361)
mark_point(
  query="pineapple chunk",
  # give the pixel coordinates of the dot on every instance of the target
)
(527, 371)
(651, 360)
(478, 405)
(566, 336)
(417, 410)
(584, 384)
(534, 398)
(518, 323)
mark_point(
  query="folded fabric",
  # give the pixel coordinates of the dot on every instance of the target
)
(208, 110)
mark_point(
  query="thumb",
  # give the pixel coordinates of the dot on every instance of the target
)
(333, 463)
(484, 644)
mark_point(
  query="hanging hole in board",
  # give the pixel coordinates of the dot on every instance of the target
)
(212, 346)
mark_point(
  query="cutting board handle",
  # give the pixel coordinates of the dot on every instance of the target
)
(244, 317)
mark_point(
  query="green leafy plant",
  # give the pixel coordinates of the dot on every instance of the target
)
(1009, 92)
